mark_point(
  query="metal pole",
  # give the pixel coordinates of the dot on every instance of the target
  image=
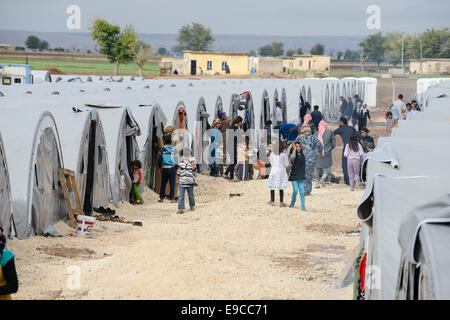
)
(403, 70)
(421, 55)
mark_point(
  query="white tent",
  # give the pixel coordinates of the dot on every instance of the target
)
(5, 194)
(40, 76)
(34, 157)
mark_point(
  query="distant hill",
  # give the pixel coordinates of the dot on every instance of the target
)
(236, 43)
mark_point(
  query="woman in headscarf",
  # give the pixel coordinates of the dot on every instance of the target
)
(312, 148)
(328, 140)
(8, 276)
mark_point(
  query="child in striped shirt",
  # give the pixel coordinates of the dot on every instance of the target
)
(187, 182)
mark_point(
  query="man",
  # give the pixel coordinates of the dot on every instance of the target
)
(344, 131)
(399, 105)
(305, 107)
(316, 117)
(278, 115)
(358, 100)
(364, 114)
(356, 116)
(236, 125)
(349, 109)
(343, 107)
(365, 139)
(225, 124)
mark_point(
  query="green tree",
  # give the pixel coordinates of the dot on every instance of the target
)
(374, 47)
(142, 52)
(436, 43)
(194, 37)
(265, 51)
(43, 45)
(116, 45)
(318, 49)
(32, 42)
(340, 54)
(274, 49)
(300, 51)
(290, 53)
(162, 51)
(252, 53)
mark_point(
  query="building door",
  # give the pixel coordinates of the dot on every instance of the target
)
(193, 67)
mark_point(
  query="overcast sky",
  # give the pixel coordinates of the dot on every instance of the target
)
(259, 17)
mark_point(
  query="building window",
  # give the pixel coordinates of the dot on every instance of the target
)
(438, 67)
(17, 80)
(300, 63)
(209, 65)
(224, 65)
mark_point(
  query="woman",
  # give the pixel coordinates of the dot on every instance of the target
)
(297, 164)
(353, 152)
(8, 276)
(328, 140)
(312, 147)
(278, 178)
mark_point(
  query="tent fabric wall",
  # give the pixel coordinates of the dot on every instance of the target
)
(406, 172)
(5, 194)
(34, 157)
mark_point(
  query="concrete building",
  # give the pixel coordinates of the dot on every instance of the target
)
(212, 63)
(176, 64)
(312, 63)
(429, 66)
(266, 64)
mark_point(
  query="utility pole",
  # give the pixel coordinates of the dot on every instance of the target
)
(421, 55)
(403, 70)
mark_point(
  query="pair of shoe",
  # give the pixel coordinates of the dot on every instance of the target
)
(181, 211)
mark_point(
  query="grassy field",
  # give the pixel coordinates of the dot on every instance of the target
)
(88, 67)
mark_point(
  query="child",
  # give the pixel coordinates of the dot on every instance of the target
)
(297, 165)
(219, 158)
(278, 178)
(187, 181)
(8, 275)
(240, 166)
(166, 163)
(353, 152)
(390, 123)
(138, 177)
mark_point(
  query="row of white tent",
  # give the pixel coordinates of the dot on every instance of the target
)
(116, 123)
(406, 206)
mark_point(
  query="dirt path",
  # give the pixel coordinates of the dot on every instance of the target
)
(229, 248)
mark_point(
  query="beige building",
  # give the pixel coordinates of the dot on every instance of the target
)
(312, 63)
(7, 47)
(429, 66)
(174, 65)
(266, 64)
(213, 63)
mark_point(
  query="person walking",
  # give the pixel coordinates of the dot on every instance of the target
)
(344, 131)
(278, 115)
(305, 107)
(312, 148)
(278, 178)
(350, 109)
(324, 163)
(356, 116)
(215, 140)
(353, 152)
(236, 125)
(399, 107)
(343, 107)
(296, 168)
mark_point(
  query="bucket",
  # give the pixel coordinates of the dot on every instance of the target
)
(85, 225)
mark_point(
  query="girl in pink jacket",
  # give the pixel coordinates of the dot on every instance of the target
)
(353, 152)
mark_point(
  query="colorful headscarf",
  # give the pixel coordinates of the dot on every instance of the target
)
(323, 126)
(306, 119)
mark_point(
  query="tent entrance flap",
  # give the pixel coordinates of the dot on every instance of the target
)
(88, 191)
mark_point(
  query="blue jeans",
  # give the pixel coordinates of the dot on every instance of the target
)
(190, 192)
(298, 186)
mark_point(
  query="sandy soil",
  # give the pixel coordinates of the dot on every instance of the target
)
(228, 248)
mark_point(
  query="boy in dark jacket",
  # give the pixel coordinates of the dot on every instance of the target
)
(166, 164)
